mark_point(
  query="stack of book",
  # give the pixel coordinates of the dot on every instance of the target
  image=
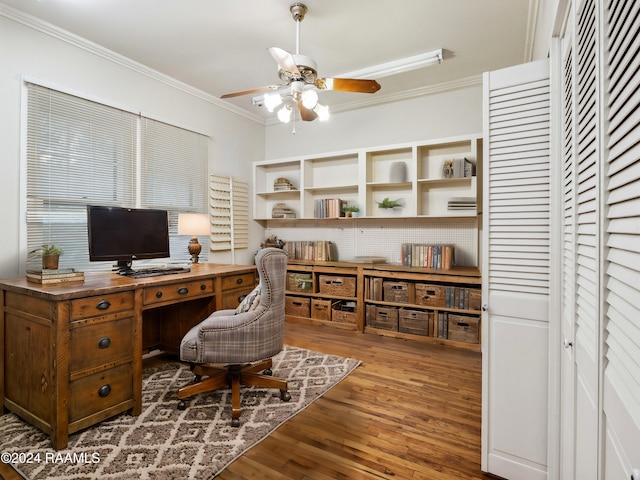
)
(60, 275)
(282, 184)
(462, 203)
(428, 256)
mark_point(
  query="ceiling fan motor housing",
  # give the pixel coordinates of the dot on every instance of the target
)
(307, 67)
(298, 11)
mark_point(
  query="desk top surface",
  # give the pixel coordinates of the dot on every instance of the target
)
(97, 283)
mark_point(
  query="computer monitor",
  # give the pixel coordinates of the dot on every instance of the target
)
(127, 234)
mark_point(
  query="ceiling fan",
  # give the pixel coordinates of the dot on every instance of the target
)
(301, 81)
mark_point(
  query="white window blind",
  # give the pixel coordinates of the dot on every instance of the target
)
(174, 173)
(81, 152)
(229, 206)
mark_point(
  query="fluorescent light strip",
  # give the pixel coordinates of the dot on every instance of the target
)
(397, 66)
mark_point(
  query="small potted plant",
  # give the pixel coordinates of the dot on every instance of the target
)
(51, 256)
(350, 210)
(386, 203)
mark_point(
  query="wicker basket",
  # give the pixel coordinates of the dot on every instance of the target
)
(340, 286)
(397, 292)
(430, 295)
(321, 309)
(382, 317)
(299, 282)
(417, 322)
(464, 328)
(343, 312)
(297, 306)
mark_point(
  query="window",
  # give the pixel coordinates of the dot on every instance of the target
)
(81, 152)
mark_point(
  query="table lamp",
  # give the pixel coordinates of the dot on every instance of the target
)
(194, 224)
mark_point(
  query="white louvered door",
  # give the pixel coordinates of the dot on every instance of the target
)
(516, 278)
(568, 370)
(586, 268)
(621, 315)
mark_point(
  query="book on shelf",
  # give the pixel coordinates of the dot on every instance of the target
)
(316, 250)
(458, 168)
(328, 208)
(60, 275)
(428, 255)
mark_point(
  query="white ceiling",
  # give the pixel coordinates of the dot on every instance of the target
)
(220, 46)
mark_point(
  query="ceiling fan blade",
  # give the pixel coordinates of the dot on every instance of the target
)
(252, 90)
(306, 114)
(348, 85)
(285, 61)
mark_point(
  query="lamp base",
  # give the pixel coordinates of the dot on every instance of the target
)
(194, 248)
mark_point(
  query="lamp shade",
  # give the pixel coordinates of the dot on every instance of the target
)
(194, 224)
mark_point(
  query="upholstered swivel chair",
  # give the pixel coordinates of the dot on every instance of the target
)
(231, 347)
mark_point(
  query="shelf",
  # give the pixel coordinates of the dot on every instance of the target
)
(366, 176)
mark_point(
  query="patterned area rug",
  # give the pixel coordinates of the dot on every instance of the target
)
(167, 443)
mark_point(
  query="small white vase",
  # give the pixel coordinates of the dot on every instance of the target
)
(398, 172)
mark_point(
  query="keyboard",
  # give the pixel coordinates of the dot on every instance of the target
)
(154, 272)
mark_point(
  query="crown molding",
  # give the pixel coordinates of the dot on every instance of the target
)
(100, 51)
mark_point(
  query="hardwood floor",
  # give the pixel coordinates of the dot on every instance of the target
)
(410, 411)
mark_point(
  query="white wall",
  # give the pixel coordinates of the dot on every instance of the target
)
(443, 114)
(92, 71)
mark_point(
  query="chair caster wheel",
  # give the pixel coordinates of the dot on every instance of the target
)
(197, 378)
(182, 405)
(285, 396)
(235, 422)
(268, 371)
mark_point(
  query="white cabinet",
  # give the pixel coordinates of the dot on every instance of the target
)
(411, 174)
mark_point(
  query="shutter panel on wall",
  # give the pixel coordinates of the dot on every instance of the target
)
(621, 397)
(229, 207)
(515, 272)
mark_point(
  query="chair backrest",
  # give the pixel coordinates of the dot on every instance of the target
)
(271, 264)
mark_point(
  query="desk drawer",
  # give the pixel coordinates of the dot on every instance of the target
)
(167, 293)
(97, 392)
(236, 281)
(100, 343)
(101, 305)
(233, 298)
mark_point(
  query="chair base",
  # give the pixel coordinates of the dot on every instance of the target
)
(233, 376)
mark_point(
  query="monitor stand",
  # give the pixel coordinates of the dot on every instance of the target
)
(123, 267)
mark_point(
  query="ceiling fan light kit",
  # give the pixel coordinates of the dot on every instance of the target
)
(299, 92)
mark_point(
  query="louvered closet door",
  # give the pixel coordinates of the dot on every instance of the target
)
(621, 386)
(568, 370)
(516, 272)
(582, 277)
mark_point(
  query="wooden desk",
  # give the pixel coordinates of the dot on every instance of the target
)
(72, 353)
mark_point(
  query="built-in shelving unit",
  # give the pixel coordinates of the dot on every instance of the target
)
(430, 305)
(364, 177)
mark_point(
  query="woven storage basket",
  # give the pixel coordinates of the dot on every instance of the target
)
(344, 286)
